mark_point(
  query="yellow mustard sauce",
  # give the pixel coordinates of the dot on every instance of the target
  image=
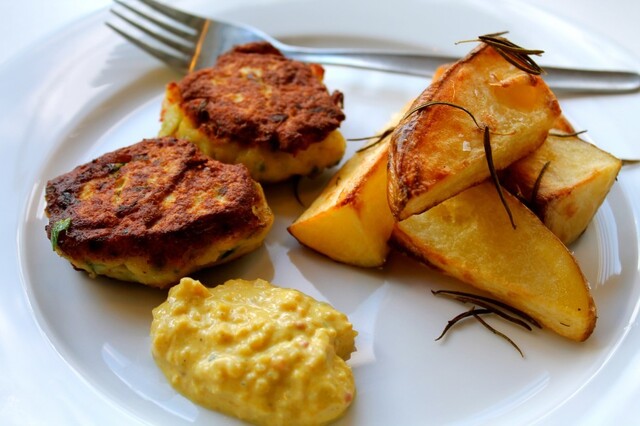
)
(267, 355)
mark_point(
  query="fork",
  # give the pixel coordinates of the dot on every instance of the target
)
(188, 42)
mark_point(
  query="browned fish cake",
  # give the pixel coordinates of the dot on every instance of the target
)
(258, 108)
(154, 212)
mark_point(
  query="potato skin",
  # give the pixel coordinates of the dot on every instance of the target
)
(159, 203)
(438, 151)
(575, 182)
(350, 221)
(470, 238)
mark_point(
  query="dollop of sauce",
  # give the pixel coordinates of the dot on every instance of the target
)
(268, 355)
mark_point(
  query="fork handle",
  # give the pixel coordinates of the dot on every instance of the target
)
(560, 79)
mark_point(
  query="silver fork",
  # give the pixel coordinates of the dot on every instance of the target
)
(187, 42)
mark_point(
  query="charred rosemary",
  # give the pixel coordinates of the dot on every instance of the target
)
(378, 138)
(486, 306)
(487, 148)
(628, 162)
(536, 186)
(566, 135)
(424, 105)
(498, 333)
(465, 297)
(453, 321)
(296, 189)
(494, 174)
(517, 56)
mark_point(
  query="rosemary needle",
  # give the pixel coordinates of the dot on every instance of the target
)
(432, 103)
(473, 297)
(485, 306)
(567, 135)
(536, 185)
(511, 52)
(297, 179)
(379, 138)
(498, 333)
(494, 174)
(453, 321)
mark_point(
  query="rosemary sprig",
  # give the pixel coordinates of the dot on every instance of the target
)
(567, 135)
(465, 297)
(378, 138)
(453, 321)
(496, 332)
(536, 185)
(625, 161)
(296, 189)
(493, 310)
(511, 52)
(628, 162)
(485, 306)
(514, 54)
(494, 175)
(424, 105)
(487, 148)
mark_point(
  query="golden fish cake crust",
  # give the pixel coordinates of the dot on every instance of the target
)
(159, 204)
(256, 99)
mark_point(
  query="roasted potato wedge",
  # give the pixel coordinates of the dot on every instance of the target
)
(350, 221)
(470, 237)
(438, 151)
(571, 187)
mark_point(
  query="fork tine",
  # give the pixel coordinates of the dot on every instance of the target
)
(182, 17)
(179, 63)
(180, 47)
(167, 27)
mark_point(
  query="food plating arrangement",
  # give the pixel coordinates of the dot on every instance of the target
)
(238, 254)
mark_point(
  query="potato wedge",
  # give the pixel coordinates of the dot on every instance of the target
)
(438, 151)
(580, 179)
(470, 237)
(350, 221)
(571, 188)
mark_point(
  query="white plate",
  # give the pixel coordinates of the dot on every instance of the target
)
(76, 350)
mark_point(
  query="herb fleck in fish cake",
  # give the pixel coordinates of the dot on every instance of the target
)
(258, 108)
(154, 212)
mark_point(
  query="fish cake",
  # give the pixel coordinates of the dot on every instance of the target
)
(258, 108)
(154, 212)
